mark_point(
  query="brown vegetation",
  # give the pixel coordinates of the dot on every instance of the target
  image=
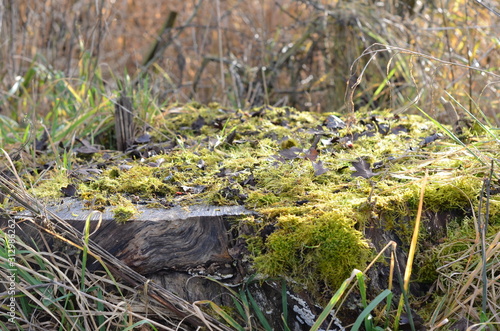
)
(217, 50)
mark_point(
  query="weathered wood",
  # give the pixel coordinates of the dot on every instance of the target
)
(158, 239)
(171, 247)
(124, 123)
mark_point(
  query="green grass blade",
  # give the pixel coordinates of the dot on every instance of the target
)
(333, 301)
(239, 307)
(232, 322)
(364, 314)
(362, 289)
(258, 312)
(451, 135)
(100, 308)
(484, 127)
(284, 305)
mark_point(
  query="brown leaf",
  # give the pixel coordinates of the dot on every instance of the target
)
(311, 154)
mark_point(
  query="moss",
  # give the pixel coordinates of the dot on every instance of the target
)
(307, 249)
(458, 193)
(123, 213)
(48, 185)
(257, 198)
(142, 180)
(288, 143)
(124, 210)
(427, 272)
(104, 184)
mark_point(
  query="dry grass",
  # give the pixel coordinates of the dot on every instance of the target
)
(460, 279)
(217, 50)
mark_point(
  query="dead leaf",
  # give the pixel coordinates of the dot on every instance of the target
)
(319, 169)
(143, 139)
(334, 123)
(198, 124)
(362, 169)
(311, 154)
(291, 153)
(430, 139)
(86, 150)
(230, 137)
(69, 191)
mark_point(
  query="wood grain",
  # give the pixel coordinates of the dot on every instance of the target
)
(156, 239)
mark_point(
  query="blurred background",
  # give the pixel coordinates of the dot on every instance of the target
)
(315, 55)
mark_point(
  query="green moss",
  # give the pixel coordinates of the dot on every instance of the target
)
(258, 198)
(458, 193)
(123, 213)
(48, 185)
(427, 272)
(104, 184)
(142, 180)
(308, 249)
(124, 210)
(288, 143)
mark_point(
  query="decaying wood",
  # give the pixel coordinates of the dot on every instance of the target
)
(57, 228)
(159, 239)
(124, 123)
(171, 247)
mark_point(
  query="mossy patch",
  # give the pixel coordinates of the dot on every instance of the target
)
(48, 185)
(124, 213)
(312, 247)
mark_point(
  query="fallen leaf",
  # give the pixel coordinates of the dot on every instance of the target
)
(198, 124)
(430, 139)
(249, 181)
(362, 169)
(86, 150)
(41, 144)
(399, 129)
(69, 191)
(311, 154)
(143, 139)
(291, 153)
(334, 123)
(230, 137)
(319, 169)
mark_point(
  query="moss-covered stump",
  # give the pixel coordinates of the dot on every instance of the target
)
(325, 193)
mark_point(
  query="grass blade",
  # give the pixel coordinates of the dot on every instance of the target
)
(258, 312)
(232, 322)
(284, 304)
(364, 314)
(333, 301)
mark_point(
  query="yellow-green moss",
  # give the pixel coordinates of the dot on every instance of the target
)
(123, 213)
(308, 249)
(49, 185)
